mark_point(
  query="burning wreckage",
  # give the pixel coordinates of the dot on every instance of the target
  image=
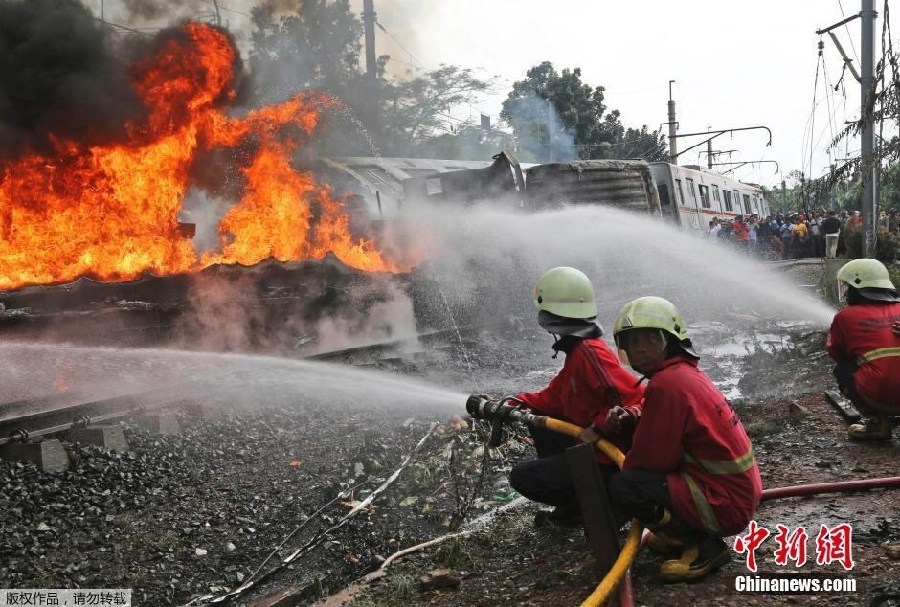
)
(195, 220)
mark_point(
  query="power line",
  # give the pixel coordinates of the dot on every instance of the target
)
(402, 48)
(126, 29)
(225, 8)
(846, 27)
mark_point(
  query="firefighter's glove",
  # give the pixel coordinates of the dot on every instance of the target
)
(619, 420)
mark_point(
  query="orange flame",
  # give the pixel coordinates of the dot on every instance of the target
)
(110, 211)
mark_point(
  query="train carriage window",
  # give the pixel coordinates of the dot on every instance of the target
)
(690, 187)
(747, 204)
(704, 195)
(680, 197)
(736, 197)
(728, 206)
(716, 197)
(663, 190)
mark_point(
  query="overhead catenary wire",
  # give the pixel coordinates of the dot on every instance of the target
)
(403, 48)
(812, 128)
(846, 27)
(226, 9)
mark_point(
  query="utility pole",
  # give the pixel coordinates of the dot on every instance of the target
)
(673, 126)
(371, 114)
(867, 165)
(550, 135)
(368, 17)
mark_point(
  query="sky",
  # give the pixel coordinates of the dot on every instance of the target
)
(734, 65)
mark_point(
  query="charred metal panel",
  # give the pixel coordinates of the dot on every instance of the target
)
(625, 184)
(270, 307)
(380, 181)
(502, 180)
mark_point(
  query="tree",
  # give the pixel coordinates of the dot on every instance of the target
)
(318, 46)
(557, 116)
(416, 110)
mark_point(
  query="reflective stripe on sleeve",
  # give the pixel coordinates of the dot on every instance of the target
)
(878, 353)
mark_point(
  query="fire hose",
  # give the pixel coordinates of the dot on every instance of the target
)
(501, 411)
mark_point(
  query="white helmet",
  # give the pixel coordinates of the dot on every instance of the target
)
(566, 292)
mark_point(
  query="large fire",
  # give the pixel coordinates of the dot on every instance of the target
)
(110, 211)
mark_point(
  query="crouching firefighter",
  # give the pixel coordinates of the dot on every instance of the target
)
(690, 475)
(866, 346)
(590, 383)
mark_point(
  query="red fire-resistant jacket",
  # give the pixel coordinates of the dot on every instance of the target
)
(590, 383)
(862, 332)
(689, 432)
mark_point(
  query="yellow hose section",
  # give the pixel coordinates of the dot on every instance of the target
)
(629, 551)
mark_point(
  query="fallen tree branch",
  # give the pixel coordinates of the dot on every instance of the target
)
(320, 536)
(346, 595)
(422, 546)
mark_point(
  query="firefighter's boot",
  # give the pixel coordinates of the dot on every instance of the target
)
(697, 560)
(875, 428)
(667, 535)
(661, 542)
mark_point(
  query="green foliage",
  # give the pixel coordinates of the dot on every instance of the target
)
(782, 201)
(555, 115)
(415, 110)
(468, 142)
(887, 245)
(889, 191)
(894, 271)
(455, 554)
(317, 46)
(403, 584)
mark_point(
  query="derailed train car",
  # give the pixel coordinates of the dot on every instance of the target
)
(691, 196)
(684, 196)
(688, 196)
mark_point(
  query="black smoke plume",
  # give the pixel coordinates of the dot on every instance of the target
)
(59, 78)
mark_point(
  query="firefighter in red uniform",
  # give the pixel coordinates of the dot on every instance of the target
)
(690, 475)
(866, 346)
(590, 383)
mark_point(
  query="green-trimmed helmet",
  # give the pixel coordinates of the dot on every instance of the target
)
(865, 274)
(653, 313)
(566, 292)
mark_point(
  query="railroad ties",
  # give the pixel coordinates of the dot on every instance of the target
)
(33, 430)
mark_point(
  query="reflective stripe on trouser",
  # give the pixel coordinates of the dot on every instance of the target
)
(707, 516)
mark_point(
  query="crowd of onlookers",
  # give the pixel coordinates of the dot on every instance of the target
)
(818, 233)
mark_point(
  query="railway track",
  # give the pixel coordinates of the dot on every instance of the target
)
(36, 417)
(59, 413)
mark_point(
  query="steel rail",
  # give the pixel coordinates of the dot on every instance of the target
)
(18, 428)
